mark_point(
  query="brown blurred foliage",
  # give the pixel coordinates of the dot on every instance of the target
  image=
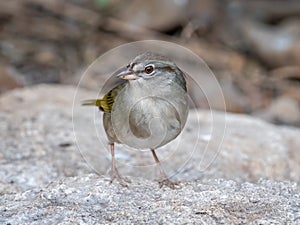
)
(253, 47)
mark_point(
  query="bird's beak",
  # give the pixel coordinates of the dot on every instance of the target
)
(127, 74)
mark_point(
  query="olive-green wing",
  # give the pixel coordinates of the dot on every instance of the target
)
(106, 103)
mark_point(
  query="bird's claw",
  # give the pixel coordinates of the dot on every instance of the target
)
(122, 181)
(168, 183)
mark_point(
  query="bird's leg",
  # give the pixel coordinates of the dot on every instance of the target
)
(114, 172)
(164, 180)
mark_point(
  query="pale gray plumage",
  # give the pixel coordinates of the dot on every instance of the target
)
(162, 94)
(149, 109)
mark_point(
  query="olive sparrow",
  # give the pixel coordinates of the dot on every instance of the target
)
(147, 110)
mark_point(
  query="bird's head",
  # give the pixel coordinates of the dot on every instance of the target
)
(152, 67)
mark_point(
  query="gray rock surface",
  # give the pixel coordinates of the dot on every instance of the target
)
(92, 200)
(44, 178)
(37, 143)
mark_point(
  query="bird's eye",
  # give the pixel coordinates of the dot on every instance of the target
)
(149, 69)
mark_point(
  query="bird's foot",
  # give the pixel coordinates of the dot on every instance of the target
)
(122, 181)
(168, 183)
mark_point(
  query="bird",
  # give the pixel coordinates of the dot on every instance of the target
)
(146, 110)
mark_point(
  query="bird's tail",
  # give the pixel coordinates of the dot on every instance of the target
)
(94, 102)
(100, 103)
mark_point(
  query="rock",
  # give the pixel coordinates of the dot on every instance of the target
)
(8, 80)
(155, 15)
(283, 110)
(89, 199)
(38, 144)
(44, 178)
(276, 46)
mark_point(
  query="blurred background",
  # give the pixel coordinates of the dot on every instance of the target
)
(253, 47)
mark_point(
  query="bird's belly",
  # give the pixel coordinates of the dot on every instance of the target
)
(148, 123)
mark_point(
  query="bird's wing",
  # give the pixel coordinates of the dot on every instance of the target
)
(106, 103)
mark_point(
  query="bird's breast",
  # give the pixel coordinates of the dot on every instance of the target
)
(147, 120)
